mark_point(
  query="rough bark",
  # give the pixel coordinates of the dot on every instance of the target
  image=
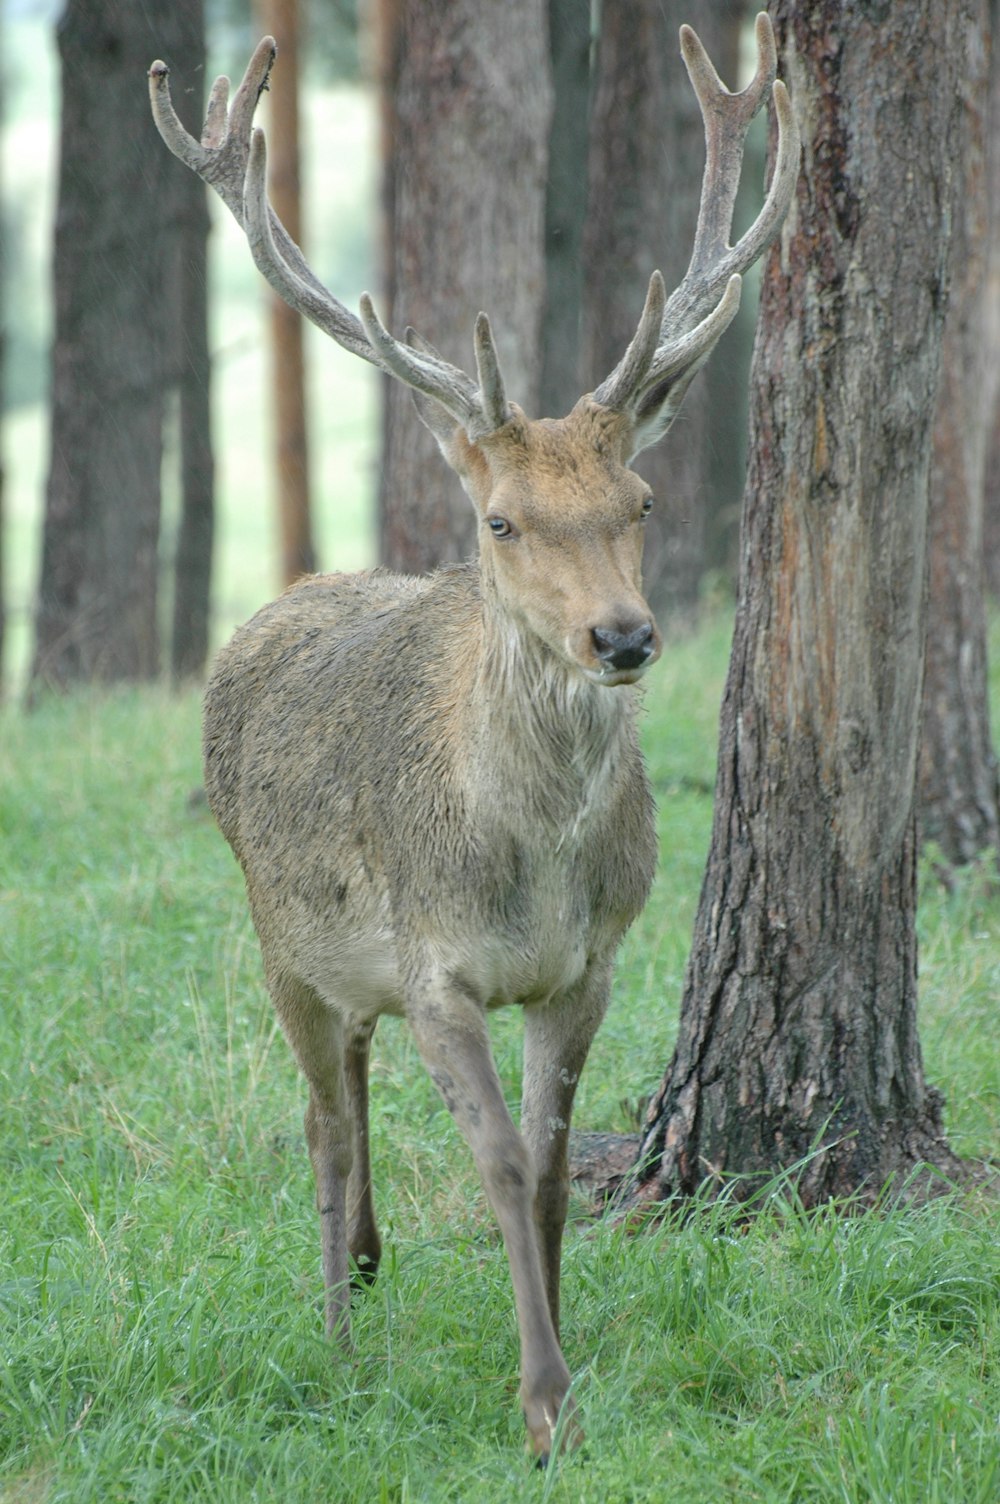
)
(466, 108)
(646, 158)
(192, 370)
(958, 769)
(96, 615)
(280, 19)
(798, 1022)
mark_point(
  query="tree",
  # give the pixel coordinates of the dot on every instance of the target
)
(192, 369)
(466, 100)
(958, 769)
(798, 1020)
(280, 19)
(646, 152)
(97, 609)
(565, 207)
(991, 327)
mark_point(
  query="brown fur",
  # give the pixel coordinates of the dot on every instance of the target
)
(437, 813)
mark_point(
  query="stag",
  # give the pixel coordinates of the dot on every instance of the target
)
(433, 785)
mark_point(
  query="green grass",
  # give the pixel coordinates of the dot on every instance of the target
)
(160, 1327)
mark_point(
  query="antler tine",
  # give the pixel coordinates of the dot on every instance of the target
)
(424, 370)
(634, 365)
(305, 293)
(493, 398)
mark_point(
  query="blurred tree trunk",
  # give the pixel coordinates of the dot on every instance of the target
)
(798, 1026)
(97, 607)
(646, 158)
(958, 770)
(565, 206)
(466, 104)
(3, 394)
(991, 328)
(192, 368)
(280, 19)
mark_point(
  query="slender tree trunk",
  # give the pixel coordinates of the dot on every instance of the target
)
(565, 206)
(96, 615)
(280, 19)
(192, 365)
(798, 1023)
(466, 110)
(958, 770)
(646, 157)
(991, 325)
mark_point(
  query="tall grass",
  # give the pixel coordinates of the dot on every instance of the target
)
(160, 1323)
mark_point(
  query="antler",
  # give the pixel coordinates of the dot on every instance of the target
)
(676, 337)
(232, 158)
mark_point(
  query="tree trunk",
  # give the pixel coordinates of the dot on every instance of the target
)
(192, 368)
(565, 206)
(798, 1023)
(466, 108)
(991, 325)
(97, 609)
(280, 19)
(958, 770)
(646, 157)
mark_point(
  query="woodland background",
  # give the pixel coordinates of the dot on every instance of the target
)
(159, 1329)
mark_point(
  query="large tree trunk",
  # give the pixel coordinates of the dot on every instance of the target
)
(958, 770)
(97, 609)
(192, 372)
(466, 106)
(798, 1023)
(646, 157)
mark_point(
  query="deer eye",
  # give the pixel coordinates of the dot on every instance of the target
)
(499, 527)
(647, 507)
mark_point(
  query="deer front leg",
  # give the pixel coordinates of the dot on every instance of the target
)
(557, 1039)
(450, 1031)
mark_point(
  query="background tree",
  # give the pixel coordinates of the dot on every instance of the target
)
(466, 100)
(97, 607)
(565, 207)
(192, 367)
(280, 19)
(798, 1020)
(646, 154)
(991, 327)
(958, 770)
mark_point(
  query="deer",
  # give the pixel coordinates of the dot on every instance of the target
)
(433, 785)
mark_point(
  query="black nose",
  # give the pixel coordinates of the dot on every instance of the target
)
(623, 650)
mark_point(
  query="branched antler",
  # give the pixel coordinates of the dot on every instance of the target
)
(674, 339)
(232, 158)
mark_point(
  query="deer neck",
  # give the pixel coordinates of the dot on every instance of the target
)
(550, 741)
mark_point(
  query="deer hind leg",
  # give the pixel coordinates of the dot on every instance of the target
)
(363, 1242)
(316, 1034)
(557, 1038)
(450, 1031)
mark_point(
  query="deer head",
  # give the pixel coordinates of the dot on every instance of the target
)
(547, 489)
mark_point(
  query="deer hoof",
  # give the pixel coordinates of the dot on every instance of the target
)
(552, 1426)
(363, 1271)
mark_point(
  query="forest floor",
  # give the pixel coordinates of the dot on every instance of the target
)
(160, 1326)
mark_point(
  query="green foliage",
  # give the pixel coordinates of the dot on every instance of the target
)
(160, 1326)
